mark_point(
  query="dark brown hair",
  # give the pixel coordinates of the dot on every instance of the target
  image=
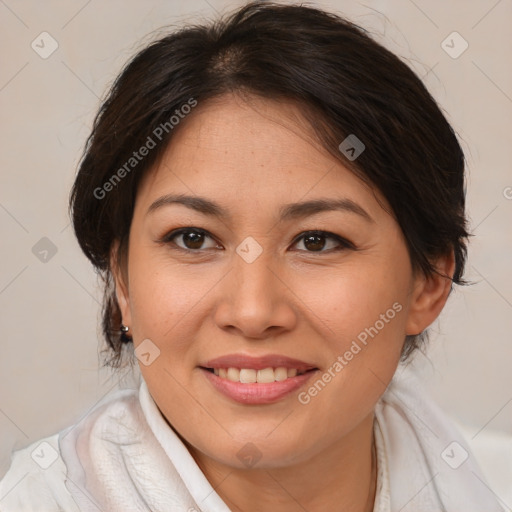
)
(344, 82)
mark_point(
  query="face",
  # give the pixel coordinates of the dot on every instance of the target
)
(264, 319)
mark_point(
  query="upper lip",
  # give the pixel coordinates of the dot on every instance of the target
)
(257, 363)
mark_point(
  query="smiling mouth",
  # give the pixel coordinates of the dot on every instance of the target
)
(262, 376)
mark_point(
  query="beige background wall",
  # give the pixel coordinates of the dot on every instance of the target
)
(49, 372)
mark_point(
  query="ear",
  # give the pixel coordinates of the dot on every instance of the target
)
(429, 295)
(120, 275)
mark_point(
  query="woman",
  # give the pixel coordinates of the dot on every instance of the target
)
(276, 205)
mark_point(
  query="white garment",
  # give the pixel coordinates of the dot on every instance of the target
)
(123, 457)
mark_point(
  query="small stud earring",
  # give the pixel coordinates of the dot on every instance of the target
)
(125, 338)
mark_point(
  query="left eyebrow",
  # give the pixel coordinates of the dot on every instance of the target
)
(286, 212)
(307, 208)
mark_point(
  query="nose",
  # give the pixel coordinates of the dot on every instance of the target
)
(254, 300)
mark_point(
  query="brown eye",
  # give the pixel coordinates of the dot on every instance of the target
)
(317, 241)
(314, 242)
(191, 239)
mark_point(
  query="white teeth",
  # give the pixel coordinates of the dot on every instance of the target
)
(233, 374)
(281, 373)
(265, 375)
(250, 376)
(247, 376)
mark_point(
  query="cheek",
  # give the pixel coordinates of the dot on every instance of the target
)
(162, 294)
(355, 297)
(360, 312)
(366, 311)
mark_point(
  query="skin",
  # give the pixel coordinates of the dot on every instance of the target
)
(310, 305)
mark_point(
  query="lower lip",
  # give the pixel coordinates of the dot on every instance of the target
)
(254, 393)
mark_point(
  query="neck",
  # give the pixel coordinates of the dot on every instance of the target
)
(342, 477)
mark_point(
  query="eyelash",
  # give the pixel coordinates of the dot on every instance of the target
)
(345, 244)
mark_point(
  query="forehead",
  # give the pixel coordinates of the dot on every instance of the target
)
(254, 151)
(258, 132)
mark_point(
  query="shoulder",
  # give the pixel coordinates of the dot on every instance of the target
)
(422, 444)
(36, 479)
